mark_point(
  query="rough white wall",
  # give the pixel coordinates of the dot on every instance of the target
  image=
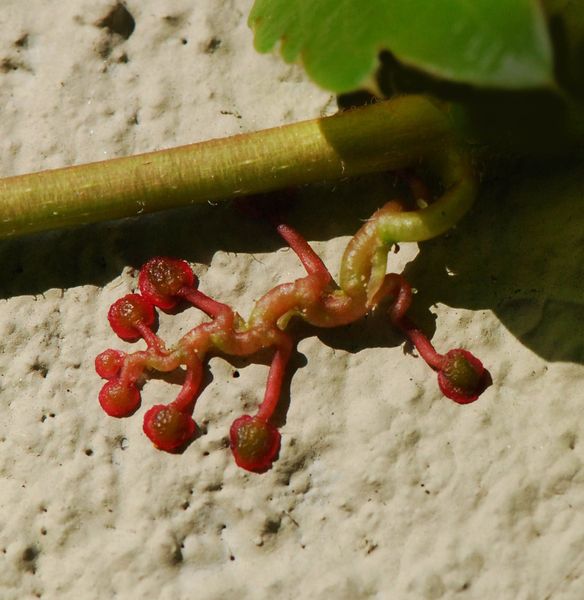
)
(383, 488)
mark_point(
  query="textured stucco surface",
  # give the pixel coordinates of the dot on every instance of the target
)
(383, 488)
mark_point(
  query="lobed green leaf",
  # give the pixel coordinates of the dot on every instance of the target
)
(492, 43)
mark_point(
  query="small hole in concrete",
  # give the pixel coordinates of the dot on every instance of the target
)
(212, 45)
(119, 20)
(22, 41)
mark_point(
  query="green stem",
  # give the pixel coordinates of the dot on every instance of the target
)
(385, 136)
(456, 175)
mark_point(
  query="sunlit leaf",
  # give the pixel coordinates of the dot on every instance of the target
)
(494, 43)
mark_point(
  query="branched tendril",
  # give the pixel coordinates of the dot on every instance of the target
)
(315, 298)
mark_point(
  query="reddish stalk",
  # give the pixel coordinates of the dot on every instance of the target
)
(315, 298)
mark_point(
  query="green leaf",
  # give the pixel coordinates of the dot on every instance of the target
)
(494, 43)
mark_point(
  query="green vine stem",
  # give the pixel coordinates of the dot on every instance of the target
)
(385, 136)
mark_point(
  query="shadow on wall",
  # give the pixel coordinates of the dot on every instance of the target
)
(519, 253)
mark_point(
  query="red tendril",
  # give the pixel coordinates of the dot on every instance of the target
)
(316, 298)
